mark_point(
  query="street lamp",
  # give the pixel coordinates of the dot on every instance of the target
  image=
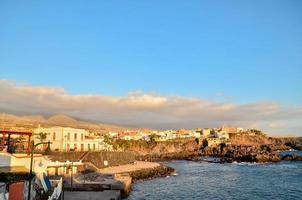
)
(65, 136)
(32, 148)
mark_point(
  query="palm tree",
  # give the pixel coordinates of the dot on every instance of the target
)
(41, 136)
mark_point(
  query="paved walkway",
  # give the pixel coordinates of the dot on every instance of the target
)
(129, 167)
(82, 195)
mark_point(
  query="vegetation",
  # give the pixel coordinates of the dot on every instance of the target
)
(11, 149)
(153, 137)
(256, 132)
(127, 144)
(47, 151)
(107, 139)
(41, 136)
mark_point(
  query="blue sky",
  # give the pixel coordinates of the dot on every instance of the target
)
(245, 49)
(249, 51)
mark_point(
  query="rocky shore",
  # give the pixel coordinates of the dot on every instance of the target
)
(289, 143)
(242, 153)
(292, 157)
(238, 153)
(151, 173)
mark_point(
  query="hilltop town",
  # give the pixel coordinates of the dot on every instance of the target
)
(67, 134)
(92, 157)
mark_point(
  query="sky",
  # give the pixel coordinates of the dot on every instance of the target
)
(159, 64)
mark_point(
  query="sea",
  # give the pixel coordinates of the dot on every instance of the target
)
(202, 180)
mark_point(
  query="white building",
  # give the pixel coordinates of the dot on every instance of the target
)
(206, 132)
(66, 139)
(222, 134)
(194, 133)
(41, 164)
(166, 135)
(112, 134)
(132, 137)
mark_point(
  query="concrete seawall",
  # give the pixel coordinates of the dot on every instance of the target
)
(113, 158)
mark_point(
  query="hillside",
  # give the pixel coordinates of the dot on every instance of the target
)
(12, 122)
(166, 150)
(273, 142)
(245, 139)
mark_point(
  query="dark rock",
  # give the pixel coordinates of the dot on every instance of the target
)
(226, 160)
(287, 143)
(241, 153)
(298, 148)
(151, 173)
(292, 157)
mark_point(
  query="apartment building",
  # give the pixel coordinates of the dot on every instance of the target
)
(67, 139)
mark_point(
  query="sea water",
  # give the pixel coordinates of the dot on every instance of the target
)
(196, 180)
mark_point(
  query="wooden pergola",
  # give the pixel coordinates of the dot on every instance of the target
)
(6, 141)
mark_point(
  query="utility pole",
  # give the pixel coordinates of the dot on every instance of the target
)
(32, 148)
(71, 176)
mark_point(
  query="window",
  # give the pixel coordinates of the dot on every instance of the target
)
(68, 136)
(75, 147)
(75, 136)
(53, 136)
(88, 146)
(93, 147)
(82, 147)
(82, 137)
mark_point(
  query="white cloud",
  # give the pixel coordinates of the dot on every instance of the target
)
(149, 110)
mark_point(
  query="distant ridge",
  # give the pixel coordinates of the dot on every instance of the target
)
(62, 120)
(34, 118)
(29, 122)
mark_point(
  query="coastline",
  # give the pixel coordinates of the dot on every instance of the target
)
(244, 153)
(226, 178)
(142, 161)
(137, 172)
(140, 171)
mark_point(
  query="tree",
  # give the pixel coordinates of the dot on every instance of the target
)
(153, 137)
(47, 151)
(205, 143)
(41, 136)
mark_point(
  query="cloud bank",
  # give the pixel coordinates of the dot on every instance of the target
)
(150, 110)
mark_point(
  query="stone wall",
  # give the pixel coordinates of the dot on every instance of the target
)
(113, 158)
(64, 156)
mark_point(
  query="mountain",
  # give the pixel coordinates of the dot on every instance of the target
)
(62, 120)
(29, 122)
(39, 118)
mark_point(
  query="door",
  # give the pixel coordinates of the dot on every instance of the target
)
(16, 191)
